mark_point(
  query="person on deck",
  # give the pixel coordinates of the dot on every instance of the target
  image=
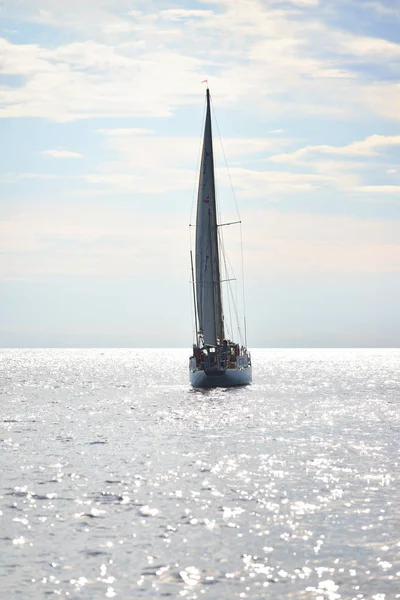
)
(225, 353)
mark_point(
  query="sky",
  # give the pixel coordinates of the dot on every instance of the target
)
(101, 117)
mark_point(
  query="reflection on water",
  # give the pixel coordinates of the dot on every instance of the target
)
(119, 481)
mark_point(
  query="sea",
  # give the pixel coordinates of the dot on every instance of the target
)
(118, 480)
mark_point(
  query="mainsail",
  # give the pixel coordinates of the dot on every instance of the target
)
(208, 286)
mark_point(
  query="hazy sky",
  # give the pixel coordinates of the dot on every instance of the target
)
(101, 107)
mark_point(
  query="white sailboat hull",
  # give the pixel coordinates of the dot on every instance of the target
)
(228, 378)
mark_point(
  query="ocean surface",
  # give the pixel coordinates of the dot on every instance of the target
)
(120, 481)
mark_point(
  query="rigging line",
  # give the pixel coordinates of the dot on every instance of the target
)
(238, 213)
(238, 323)
(243, 292)
(236, 315)
(230, 269)
(226, 162)
(221, 225)
(231, 298)
(194, 333)
(216, 170)
(194, 298)
(232, 303)
(228, 297)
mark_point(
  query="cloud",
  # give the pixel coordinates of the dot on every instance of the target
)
(271, 185)
(362, 46)
(157, 164)
(132, 146)
(295, 243)
(23, 59)
(181, 14)
(128, 131)
(381, 189)
(80, 16)
(113, 241)
(384, 9)
(367, 147)
(14, 177)
(273, 56)
(145, 163)
(151, 163)
(355, 167)
(120, 241)
(160, 182)
(302, 3)
(87, 80)
(383, 98)
(62, 154)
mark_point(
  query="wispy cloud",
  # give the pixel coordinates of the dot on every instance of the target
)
(384, 9)
(356, 167)
(181, 14)
(14, 177)
(381, 189)
(61, 154)
(370, 146)
(125, 131)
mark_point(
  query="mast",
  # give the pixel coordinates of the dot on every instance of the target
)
(208, 281)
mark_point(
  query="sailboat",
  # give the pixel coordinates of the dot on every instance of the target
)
(216, 361)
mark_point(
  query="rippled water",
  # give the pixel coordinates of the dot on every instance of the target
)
(118, 480)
